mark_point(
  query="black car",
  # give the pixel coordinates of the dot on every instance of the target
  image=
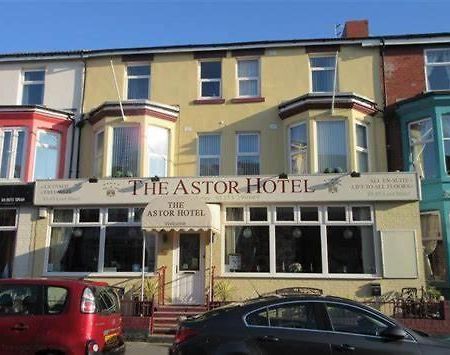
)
(312, 325)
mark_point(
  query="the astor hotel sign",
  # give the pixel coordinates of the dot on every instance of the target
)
(233, 189)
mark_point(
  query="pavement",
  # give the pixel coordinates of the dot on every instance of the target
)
(138, 348)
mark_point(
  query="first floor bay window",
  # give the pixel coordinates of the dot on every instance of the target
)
(125, 151)
(298, 149)
(47, 155)
(12, 148)
(300, 240)
(93, 240)
(158, 150)
(331, 146)
(422, 147)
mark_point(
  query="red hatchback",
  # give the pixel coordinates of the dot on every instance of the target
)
(59, 316)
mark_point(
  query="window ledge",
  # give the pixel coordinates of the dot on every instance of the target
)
(97, 274)
(244, 100)
(275, 276)
(217, 101)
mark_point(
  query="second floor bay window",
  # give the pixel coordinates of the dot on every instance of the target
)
(33, 87)
(209, 154)
(331, 146)
(323, 73)
(47, 155)
(158, 150)
(248, 154)
(298, 149)
(438, 69)
(12, 148)
(423, 151)
(210, 79)
(138, 82)
(125, 151)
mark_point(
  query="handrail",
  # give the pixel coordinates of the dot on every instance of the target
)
(161, 272)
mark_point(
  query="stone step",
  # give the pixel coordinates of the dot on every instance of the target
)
(175, 315)
(157, 329)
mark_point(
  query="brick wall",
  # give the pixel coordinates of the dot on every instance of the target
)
(431, 326)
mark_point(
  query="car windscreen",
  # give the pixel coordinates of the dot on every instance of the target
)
(106, 300)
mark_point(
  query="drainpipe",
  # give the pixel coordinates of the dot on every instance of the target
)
(79, 123)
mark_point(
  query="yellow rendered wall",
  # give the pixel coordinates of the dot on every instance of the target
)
(285, 74)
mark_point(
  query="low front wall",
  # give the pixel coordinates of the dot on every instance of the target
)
(430, 326)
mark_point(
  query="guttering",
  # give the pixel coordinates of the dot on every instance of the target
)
(38, 109)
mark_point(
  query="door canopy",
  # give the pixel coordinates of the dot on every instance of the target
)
(174, 213)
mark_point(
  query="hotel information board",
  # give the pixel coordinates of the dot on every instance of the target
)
(232, 189)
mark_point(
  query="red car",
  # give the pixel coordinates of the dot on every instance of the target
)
(59, 316)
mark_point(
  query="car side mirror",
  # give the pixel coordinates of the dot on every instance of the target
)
(394, 333)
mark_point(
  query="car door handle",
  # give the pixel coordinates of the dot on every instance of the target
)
(20, 327)
(344, 348)
(269, 338)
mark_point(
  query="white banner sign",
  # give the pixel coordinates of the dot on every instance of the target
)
(233, 189)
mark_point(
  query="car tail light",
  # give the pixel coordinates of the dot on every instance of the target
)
(92, 347)
(184, 334)
(88, 301)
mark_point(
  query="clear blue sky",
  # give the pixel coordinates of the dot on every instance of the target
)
(43, 25)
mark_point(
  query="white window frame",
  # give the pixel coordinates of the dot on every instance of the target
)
(12, 159)
(422, 142)
(102, 224)
(110, 147)
(251, 154)
(128, 77)
(151, 154)
(248, 78)
(97, 156)
(444, 139)
(323, 224)
(30, 82)
(209, 156)
(200, 80)
(313, 69)
(306, 153)
(362, 149)
(426, 65)
(58, 150)
(316, 157)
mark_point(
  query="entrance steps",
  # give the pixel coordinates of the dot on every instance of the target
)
(165, 318)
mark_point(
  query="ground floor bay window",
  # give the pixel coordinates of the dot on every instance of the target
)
(300, 240)
(99, 240)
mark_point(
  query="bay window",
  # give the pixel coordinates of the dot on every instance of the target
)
(46, 164)
(125, 151)
(138, 82)
(433, 246)
(362, 148)
(247, 154)
(158, 150)
(93, 240)
(209, 154)
(331, 146)
(99, 152)
(437, 64)
(323, 73)
(446, 140)
(422, 147)
(12, 148)
(298, 149)
(33, 87)
(298, 241)
(248, 78)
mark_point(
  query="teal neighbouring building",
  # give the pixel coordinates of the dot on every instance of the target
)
(425, 132)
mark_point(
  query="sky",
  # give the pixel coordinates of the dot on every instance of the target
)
(52, 25)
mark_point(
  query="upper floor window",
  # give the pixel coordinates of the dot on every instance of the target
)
(158, 150)
(298, 149)
(99, 149)
(362, 148)
(438, 69)
(125, 151)
(423, 152)
(446, 139)
(210, 79)
(209, 154)
(248, 77)
(323, 73)
(46, 164)
(138, 82)
(33, 87)
(12, 147)
(331, 146)
(248, 154)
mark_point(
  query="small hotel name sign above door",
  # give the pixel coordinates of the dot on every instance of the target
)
(309, 188)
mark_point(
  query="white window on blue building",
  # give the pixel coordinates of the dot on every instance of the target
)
(422, 147)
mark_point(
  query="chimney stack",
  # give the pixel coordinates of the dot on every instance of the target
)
(356, 29)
